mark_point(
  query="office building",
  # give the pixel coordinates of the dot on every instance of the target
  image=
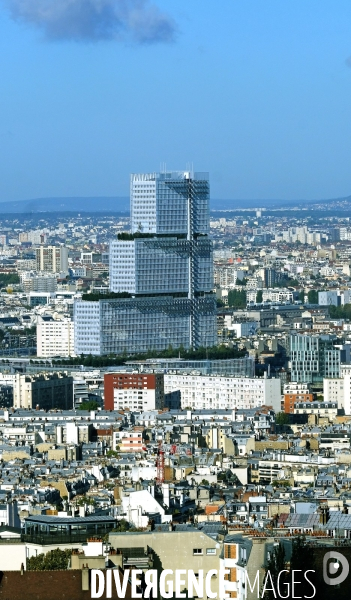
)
(135, 391)
(165, 266)
(52, 259)
(313, 358)
(39, 298)
(329, 298)
(238, 367)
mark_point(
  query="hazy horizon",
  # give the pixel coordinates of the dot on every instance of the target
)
(255, 93)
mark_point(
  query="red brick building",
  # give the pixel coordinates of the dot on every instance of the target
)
(135, 391)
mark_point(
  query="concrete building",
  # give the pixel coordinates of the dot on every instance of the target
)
(52, 259)
(38, 283)
(55, 337)
(238, 367)
(135, 391)
(338, 390)
(46, 391)
(216, 392)
(39, 298)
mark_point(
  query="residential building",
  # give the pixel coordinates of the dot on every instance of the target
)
(52, 259)
(46, 391)
(216, 392)
(55, 337)
(189, 548)
(294, 393)
(128, 441)
(320, 409)
(277, 295)
(135, 391)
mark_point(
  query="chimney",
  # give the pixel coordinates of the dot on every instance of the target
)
(85, 578)
(324, 515)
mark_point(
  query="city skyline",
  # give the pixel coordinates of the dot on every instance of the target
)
(256, 93)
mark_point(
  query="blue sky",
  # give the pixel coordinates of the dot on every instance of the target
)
(256, 92)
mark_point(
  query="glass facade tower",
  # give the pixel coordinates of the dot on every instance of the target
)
(165, 264)
(313, 358)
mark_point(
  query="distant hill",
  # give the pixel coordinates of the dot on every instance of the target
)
(75, 204)
(250, 204)
(118, 204)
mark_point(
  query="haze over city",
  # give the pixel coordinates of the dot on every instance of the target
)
(256, 93)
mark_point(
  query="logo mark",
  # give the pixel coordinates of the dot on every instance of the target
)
(335, 568)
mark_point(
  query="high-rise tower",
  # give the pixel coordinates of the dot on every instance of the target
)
(165, 264)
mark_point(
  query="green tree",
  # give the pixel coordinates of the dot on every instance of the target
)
(282, 418)
(312, 297)
(237, 298)
(8, 279)
(112, 454)
(259, 296)
(55, 560)
(122, 525)
(89, 405)
(340, 312)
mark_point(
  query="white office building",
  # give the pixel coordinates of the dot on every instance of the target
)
(166, 266)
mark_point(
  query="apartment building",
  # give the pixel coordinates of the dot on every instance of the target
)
(294, 393)
(46, 391)
(52, 259)
(55, 337)
(216, 392)
(338, 390)
(128, 441)
(135, 391)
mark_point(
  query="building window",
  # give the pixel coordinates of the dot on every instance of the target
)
(197, 552)
(210, 550)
